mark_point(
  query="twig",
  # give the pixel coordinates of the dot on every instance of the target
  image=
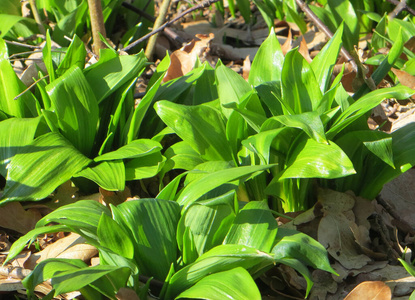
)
(30, 86)
(400, 6)
(204, 4)
(97, 25)
(22, 45)
(323, 28)
(164, 8)
(139, 11)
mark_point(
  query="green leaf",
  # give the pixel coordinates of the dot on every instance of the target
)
(41, 167)
(231, 86)
(232, 284)
(326, 58)
(219, 259)
(112, 236)
(217, 215)
(182, 156)
(8, 21)
(74, 280)
(201, 126)
(197, 188)
(75, 56)
(254, 226)
(365, 104)
(47, 269)
(78, 113)
(10, 87)
(15, 134)
(268, 61)
(300, 88)
(47, 58)
(144, 167)
(343, 11)
(408, 267)
(297, 265)
(152, 223)
(292, 14)
(106, 77)
(109, 175)
(309, 122)
(310, 159)
(135, 149)
(294, 244)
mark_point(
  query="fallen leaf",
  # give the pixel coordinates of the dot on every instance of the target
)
(126, 294)
(112, 197)
(15, 217)
(72, 246)
(246, 68)
(370, 290)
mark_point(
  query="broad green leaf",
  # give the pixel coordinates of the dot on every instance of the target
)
(47, 58)
(109, 175)
(292, 14)
(343, 11)
(408, 267)
(300, 89)
(378, 41)
(29, 238)
(231, 86)
(310, 159)
(15, 133)
(75, 55)
(237, 130)
(106, 77)
(309, 122)
(217, 215)
(74, 280)
(144, 167)
(76, 108)
(10, 87)
(270, 95)
(219, 259)
(201, 126)
(47, 269)
(47, 162)
(182, 156)
(197, 188)
(8, 21)
(403, 159)
(254, 226)
(236, 283)
(112, 236)
(137, 148)
(268, 61)
(152, 223)
(205, 87)
(326, 58)
(294, 244)
(365, 104)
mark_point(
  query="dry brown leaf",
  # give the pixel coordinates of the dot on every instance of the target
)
(14, 217)
(405, 78)
(73, 246)
(10, 284)
(246, 68)
(114, 198)
(303, 50)
(66, 193)
(127, 294)
(183, 60)
(287, 44)
(370, 290)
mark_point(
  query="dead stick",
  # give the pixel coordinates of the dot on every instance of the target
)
(204, 4)
(404, 7)
(323, 28)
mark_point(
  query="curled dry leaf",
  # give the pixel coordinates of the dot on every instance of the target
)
(370, 290)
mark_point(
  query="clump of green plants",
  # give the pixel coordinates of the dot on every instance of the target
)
(215, 259)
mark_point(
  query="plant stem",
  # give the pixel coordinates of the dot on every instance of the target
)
(164, 8)
(37, 17)
(97, 25)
